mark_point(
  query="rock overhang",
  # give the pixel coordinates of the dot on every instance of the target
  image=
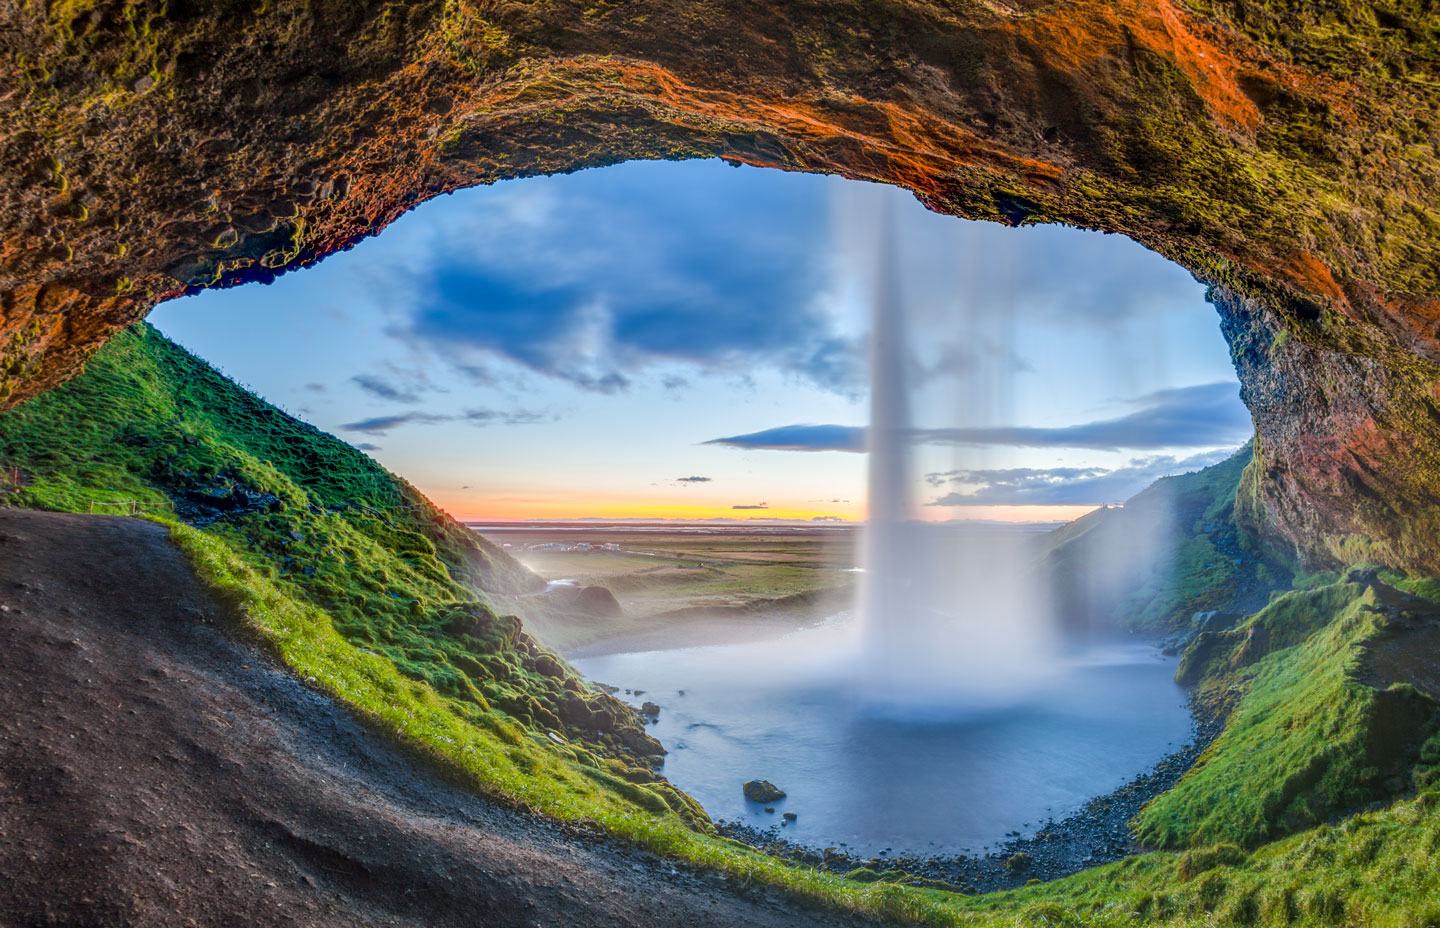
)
(1284, 153)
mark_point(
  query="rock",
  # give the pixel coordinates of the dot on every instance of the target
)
(1178, 642)
(597, 601)
(762, 791)
(789, 816)
(1216, 621)
(1018, 863)
(1363, 576)
(650, 709)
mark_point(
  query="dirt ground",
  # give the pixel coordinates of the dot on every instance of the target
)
(155, 772)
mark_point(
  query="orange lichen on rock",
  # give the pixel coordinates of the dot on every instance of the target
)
(1305, 271)
(900, 143)
(1084, 34)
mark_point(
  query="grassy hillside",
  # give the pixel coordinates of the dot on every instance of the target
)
(1173, 550)
(152, 425)
(364, 590)
(1309, 739)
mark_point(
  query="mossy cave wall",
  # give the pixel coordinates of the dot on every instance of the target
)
(1284, 152)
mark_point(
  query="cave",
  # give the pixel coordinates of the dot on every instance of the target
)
(154, 148)
(1284, 154)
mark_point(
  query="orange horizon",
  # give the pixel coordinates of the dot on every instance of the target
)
(467, 508)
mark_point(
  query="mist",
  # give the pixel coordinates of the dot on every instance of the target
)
(947, 618)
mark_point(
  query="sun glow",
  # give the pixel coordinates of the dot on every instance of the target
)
(472, 507)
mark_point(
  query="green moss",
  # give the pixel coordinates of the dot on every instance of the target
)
(1307, 740)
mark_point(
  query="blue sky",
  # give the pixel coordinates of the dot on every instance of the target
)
(688, 340)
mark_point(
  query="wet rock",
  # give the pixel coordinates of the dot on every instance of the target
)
(650, 709)
(762, 791)
(789, 816)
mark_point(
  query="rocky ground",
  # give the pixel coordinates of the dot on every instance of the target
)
(154, 771)
(1096, 834)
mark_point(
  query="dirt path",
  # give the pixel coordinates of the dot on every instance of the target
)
(154, 772)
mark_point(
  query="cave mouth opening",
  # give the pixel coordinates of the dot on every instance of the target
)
(629, 369)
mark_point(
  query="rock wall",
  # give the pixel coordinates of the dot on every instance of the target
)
(1284, 151)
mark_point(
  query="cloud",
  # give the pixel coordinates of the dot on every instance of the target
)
(489, 416)
(385, 390)
(1063, 485)
(367, 446)
(753, 506)
(689, 480)
(800, 438)
(379, 425)
(315, 387)
(1200, 416)
(1188, 417)
(590, 284)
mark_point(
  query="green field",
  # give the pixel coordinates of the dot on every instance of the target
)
(680, 586)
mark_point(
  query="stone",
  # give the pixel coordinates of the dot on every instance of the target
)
(762, 791)
(597, 601)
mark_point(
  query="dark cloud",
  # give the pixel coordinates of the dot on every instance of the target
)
(753, 506)
(315, 387)
(1188, 417)
(688, 480)
(379, 425)
(367, 446)
(800, 438)
(385, 390)
(599, 286)
(1061, 485)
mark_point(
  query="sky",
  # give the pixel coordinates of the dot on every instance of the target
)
(687, 340)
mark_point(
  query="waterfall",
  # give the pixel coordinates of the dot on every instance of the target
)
(949, 616)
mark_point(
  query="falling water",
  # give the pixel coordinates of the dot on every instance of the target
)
(950, 616)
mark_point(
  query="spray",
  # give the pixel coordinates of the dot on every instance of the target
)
(948, 620)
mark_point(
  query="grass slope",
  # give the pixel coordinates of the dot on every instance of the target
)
(1308, 739)
(1172, 550)
(151, 423)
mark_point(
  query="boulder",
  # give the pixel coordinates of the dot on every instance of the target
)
(762, 791)
(597, 601)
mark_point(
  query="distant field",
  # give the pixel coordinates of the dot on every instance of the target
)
(681, 586)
